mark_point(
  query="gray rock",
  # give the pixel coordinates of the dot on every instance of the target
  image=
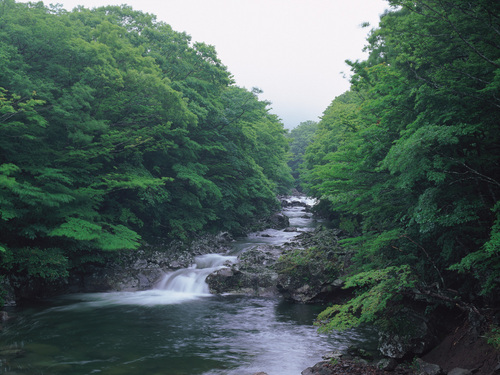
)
(320, 368)
(416, 339)
(387, 364)
(359, 353)
(332, 355)
(278, 221)
(142, 269)
(460, 371)
(425, 368)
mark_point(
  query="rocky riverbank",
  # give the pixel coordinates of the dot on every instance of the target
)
(304, 270)
(132, 270)
(308, 269)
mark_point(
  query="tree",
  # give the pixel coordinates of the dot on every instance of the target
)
(409, 165)
(113, 132)
(300, 137)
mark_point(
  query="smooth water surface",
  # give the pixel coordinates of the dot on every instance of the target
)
(123, 333)
(177, 328)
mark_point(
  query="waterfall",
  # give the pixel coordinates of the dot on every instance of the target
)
(192, 280)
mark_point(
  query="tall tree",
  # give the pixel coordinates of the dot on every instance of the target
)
(113, 132)
(412, 168)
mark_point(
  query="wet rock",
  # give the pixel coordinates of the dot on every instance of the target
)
(278, 221)
(425, 368)
(290, 229)
(387, 364)
(320, 368)
(332, 356)
(359, 353)
(260, 373)
(141, 269)
(223, 281)
(224, 237)
(252, 275)
(460, 371)
(416, 339)
(310, 275)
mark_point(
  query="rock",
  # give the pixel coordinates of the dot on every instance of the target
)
(425, 368)
(359, 353)
(460, 371)
(4, 316)
(320, 368)
(260, 373)
(290, 229)
(254, 273)
(225, 237)
(387, 364)
(223, 281)
(278, 221)
(415, 339)
(332, 355)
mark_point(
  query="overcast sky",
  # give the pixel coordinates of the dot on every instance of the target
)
(293, 50)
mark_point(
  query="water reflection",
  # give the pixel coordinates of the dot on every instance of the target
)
(176, 329)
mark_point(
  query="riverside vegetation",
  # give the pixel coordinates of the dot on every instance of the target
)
(117, 130)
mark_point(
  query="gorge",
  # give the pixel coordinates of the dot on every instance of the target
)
(175, 328)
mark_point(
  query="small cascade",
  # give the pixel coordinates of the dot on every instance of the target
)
(192, 280)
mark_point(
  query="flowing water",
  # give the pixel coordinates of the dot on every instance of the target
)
(178, 328)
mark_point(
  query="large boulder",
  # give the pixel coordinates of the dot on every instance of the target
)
(414, 338)
(278, 221)
(309, 273)
(425, 368)
(254, 273)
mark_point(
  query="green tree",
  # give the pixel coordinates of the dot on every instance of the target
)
(411, 163)
(113, 132)
(300, 137)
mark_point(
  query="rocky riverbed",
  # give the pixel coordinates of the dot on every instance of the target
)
(305, 268)
(308, 269)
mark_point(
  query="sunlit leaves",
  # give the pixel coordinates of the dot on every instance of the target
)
(377, 288)
(115, 129)
(413, 164)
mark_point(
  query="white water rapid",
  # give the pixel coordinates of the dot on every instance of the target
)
(176, 328)
(191, 280)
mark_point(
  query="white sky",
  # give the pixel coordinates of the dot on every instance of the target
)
(294, 50)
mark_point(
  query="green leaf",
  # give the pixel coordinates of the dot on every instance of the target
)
(78, 229)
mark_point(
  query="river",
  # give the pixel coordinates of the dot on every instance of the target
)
(178, 328)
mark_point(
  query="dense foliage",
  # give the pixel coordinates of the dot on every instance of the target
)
(300, 137)
(408, 161)
(115, 129)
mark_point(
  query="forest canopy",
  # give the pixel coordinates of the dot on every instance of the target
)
(407, 162)
(115, 130)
